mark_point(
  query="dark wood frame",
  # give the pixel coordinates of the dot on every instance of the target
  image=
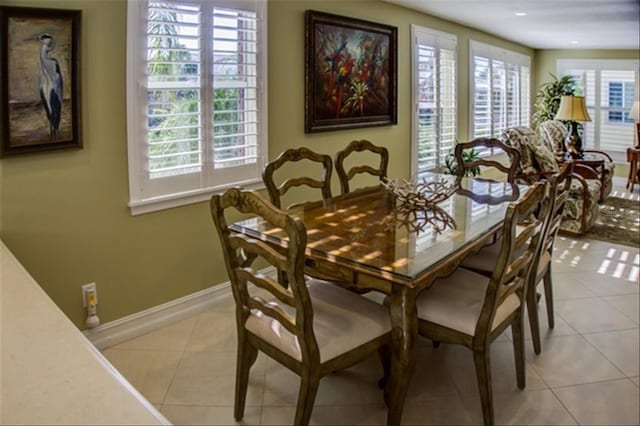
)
(317, 120)
(17, 109)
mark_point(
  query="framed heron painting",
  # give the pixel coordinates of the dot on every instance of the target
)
(350, 73)
(40, 74)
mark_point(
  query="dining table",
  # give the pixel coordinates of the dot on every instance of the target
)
(374, 239)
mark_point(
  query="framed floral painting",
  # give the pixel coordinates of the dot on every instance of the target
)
(350, 73)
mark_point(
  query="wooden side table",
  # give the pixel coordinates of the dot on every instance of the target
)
(633, 158)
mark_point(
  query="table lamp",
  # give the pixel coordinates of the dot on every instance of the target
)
(573, 109)
(635, 116)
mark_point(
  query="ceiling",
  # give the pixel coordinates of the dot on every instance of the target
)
(548, 24)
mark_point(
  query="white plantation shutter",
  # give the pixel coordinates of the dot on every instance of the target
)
(525, 96)
(500, 90)
(434, 98)
(498, 98)
(610, 88)
(196, 99)
(617, 90)
(481, 97)
(512, 112)
(174, 96)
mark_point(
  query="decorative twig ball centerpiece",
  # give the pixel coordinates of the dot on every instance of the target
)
(417, 204)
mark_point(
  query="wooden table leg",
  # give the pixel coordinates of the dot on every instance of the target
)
(404, 323)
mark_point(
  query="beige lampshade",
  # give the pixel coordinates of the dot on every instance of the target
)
(572, 108)
(635, 111)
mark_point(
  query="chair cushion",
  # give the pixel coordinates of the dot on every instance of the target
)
(485, 259)
(545, 159)
(456, 301)
(342, 320)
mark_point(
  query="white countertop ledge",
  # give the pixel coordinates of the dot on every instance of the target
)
(49, 372)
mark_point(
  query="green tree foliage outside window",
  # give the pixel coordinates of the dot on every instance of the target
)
(175, 114)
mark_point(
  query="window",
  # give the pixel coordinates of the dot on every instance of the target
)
(621, 96)
(609, 87)
(196, 99)
(433, 97)
(500, 90)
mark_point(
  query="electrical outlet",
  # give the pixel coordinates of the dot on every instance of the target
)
(86, 289)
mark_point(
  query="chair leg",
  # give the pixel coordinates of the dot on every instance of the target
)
(246, 356)
(385, 357)
(548, 297)
(517, 332)
(309, 382)
(534, 321)
(483, 372)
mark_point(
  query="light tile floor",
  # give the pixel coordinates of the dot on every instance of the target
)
(586, 374)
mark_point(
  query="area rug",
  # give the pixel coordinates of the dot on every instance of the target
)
(618, 222)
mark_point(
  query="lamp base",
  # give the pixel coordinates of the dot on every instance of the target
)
(574, 143)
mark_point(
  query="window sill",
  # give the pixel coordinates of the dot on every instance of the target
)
(177, 200)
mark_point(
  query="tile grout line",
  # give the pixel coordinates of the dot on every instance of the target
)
(184, 350)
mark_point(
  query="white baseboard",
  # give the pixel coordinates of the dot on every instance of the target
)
(131, 326)
(120, 330)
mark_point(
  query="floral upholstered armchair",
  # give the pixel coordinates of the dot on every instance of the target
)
(537, 161)
(553, 134)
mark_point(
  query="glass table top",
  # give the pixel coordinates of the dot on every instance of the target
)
(366, 228)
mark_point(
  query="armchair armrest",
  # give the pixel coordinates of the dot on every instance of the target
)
(585, 172)
(604, 154)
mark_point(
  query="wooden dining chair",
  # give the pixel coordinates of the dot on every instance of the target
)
(311, 326)
(498, 170)
(485, 260)
(359, 146)
(307, 156)
(471, 309)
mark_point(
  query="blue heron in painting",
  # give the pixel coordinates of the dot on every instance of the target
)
(50, 84)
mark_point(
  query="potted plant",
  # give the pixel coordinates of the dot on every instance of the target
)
(451, 164)
(548, 97)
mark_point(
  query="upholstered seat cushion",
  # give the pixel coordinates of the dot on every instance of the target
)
(342, 320)
(456, 302)
(485, 259)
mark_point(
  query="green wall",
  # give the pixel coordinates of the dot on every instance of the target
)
(65, 214)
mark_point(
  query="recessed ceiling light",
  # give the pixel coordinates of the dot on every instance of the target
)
(574, 42)
(521, 13)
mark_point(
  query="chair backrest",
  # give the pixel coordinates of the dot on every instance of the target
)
(517, 253)
(240, 251)
(521, 138)
(508, 169)
(293, 155)
(359, 146)
(553, 133)
(559, 186)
